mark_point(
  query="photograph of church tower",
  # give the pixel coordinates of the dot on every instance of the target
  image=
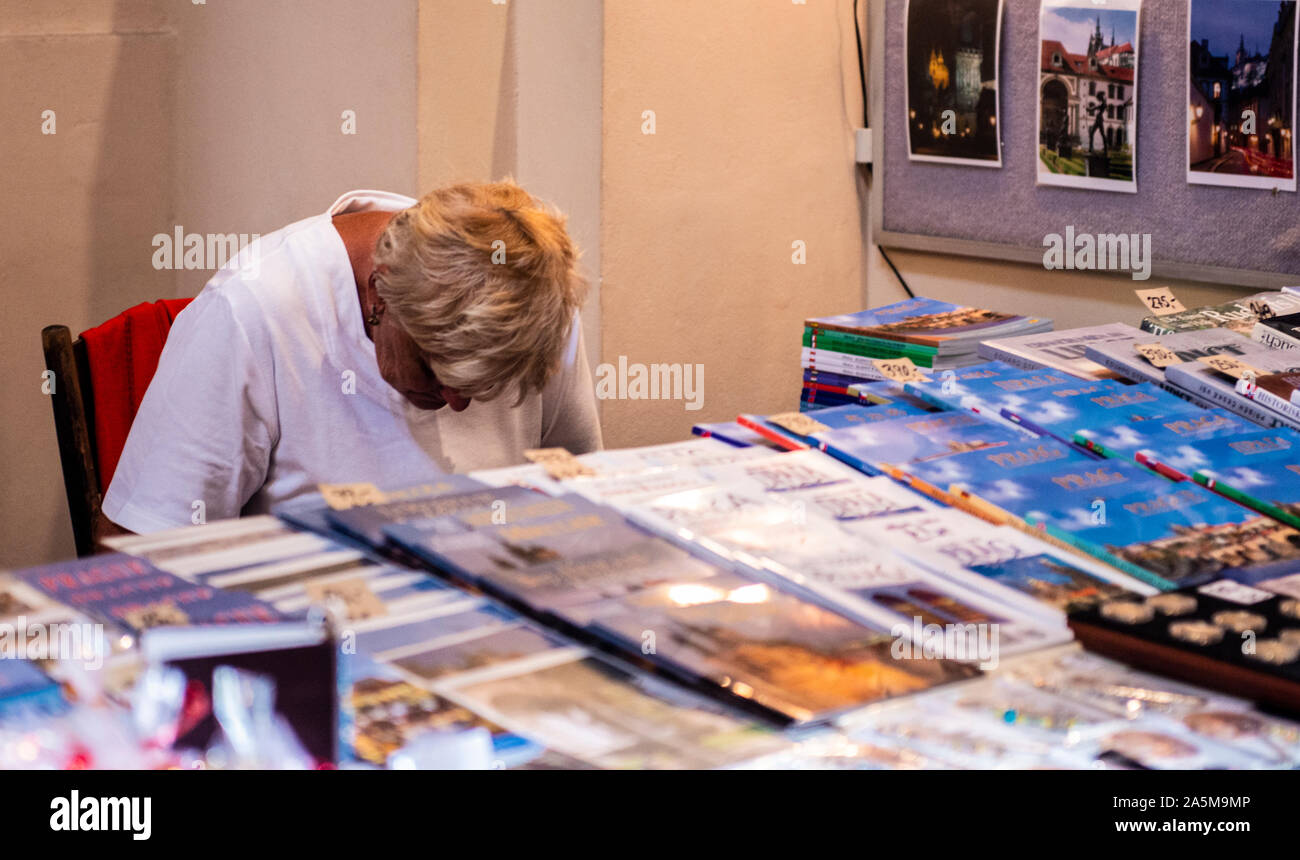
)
(1087, 94)
(1241, 93)
(952, 81)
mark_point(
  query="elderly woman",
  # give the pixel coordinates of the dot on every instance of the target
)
(327, 354)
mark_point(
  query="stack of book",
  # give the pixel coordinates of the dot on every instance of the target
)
(1064, 351)
(581, 568)
(1278, 332)
(839, 351)
(1181, 372)
(1239, 316)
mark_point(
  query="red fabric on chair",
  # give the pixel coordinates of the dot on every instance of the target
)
(123, 355)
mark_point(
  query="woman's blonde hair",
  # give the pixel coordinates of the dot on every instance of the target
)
(483, 277)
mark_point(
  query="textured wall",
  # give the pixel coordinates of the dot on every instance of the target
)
(1230, 227)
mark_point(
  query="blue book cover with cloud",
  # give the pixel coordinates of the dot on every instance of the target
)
(1260, 470)
(1127, 440)
(1061, 411)
(1177, 531)
(989, 465)
(920, 437)
(986, 388)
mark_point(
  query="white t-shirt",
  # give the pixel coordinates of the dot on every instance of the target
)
(268, 385)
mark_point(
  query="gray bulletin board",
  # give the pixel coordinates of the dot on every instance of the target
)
(1240, 236)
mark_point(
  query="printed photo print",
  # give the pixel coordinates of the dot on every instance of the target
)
(952, 81)
(1241, 63)
(1087, 94)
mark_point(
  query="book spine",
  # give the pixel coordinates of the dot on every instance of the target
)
(1140, 573)
(1247, 501)
(829, 389)
(1233, 403)
(857, 345)
(990, 351)
(1272, 338)
(1269, 400)
(848, 459)
(1115, 365)
(927, 341)
(838, 362)
(938, 401)
(784, 438)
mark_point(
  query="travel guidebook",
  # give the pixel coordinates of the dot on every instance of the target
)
(559, 565)
(1065, 351)
(597, 711)
(988, 388)
(942, 472)
(1179, 532)
(1259, 470)
(1063, 412)
(788, 516)
(1125, 360)
(1220, 389)
(993, 559)
(897, 593)
(730, 432)
(132, 593)
(1278, 332)
(870, 447)
(1148, 438)
(1192, 379)
(945, 327)
(789, 656)
(1240, 316)
(1279, 392)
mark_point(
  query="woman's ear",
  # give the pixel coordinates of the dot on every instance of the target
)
(373, 299)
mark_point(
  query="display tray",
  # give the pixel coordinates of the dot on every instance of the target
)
(1228, 645)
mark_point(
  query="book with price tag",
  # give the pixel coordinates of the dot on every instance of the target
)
(1239, 316)
(1064, 351)
(1218, 384)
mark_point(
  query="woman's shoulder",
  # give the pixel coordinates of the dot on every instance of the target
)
(282, 275)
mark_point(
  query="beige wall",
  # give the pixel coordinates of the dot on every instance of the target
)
(754, 105)
(514, 90)
(261, 88)
(223, 117)
(1069, 298)
(79, 209)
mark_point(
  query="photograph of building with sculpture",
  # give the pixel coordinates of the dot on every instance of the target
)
(1087, 94)
(1241, 64)
(952, 81)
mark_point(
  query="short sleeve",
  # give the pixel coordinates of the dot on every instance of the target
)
(569, 415)
(205, 428)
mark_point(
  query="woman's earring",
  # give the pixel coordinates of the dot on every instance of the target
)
(373, 319)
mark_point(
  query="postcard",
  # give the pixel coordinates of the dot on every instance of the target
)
(951, 80)
(1241, 64)
(1087, 94)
